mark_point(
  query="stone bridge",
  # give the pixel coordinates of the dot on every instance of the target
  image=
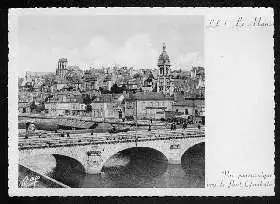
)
(92, 151)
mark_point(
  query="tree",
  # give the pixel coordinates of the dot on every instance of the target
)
(137, 75)
(86, 99)
(93, 97)
(40, 108)
(115, 89)
(49, 80)
(29, 86)
(32, 106)
(88, 108)
(155, 88)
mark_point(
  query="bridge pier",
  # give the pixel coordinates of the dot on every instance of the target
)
(174, 161)
(93, 164)
(93, 170)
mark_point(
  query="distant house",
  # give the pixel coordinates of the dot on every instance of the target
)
(60, 84)
(77, 85)
(65, 104)
(90, 80)
(189, 106)
(105, 107)
(21, 84)
(148, 84)
(150, 105)
(130, 108)
(37, 85)
(24, 107)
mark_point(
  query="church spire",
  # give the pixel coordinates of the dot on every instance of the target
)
(163, 47)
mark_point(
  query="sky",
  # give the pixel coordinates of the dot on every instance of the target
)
(105, 40)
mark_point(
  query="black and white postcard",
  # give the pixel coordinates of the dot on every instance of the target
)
(141, 101)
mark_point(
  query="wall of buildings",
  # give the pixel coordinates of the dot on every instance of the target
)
(97, 110)
(193, 107)
(68, 108)
(152, 108)
(130, 108)
(105, 110)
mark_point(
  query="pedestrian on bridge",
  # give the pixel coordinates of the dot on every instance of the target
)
(173, 126)
(185, 125)
(62, 134)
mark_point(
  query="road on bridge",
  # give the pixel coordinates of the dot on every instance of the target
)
(44, 139)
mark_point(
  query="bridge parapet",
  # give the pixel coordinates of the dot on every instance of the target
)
(54, 140)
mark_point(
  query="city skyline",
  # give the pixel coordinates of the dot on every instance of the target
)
(85, 41)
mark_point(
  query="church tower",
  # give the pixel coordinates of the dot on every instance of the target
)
(61, 67)
(164, 78)
(164, 62)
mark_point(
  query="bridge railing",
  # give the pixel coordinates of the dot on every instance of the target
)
(56, 141)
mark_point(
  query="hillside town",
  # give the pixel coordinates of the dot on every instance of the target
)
(116, 93)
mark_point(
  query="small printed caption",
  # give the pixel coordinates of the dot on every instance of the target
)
(242, 180)
(29, 181)
(240, 22)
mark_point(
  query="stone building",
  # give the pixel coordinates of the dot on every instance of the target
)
(106, 108)
(68, 103)
(24, 107)
(149, 105)
(189, 106)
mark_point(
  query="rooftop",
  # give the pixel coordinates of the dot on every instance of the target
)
(149, 96)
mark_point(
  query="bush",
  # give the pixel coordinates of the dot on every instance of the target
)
(130, 117)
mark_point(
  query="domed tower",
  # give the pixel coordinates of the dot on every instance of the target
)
(164, 62)
(164, 81)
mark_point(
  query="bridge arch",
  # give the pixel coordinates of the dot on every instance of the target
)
(67, 169)
(193, 159)
(53, 164)
(137, 159)
(68, 163)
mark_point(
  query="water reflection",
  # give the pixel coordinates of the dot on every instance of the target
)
(144, 165)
